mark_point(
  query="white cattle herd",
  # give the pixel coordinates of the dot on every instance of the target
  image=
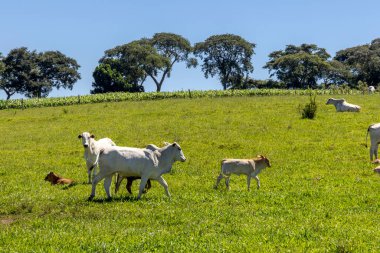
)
(151, 162)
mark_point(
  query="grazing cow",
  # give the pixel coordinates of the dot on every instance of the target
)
(143, 163)
(374, 133)
(342, 106)
(377, 170)
(92, 148)
(249, 167)
(371, 89)
(55, 179)
(130, 180)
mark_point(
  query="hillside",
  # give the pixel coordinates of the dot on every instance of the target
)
(320, 193)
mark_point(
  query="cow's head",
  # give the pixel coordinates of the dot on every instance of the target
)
(264, 160)
(178, 153)
(85, 136)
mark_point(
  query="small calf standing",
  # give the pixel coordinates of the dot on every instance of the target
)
(55, 179)
(249, 167)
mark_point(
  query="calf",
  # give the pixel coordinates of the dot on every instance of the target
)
(249, 167)
(55, 179)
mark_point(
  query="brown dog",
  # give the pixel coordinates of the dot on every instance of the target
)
(55, 179)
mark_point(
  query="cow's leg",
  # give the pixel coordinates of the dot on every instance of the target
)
(148, 185)
(129, 184)
(248, 181)
(95, 181)
(228, 183)
(107, 185)
(218, 180)
(89, 166)
(119, 179)
(258, 182)
(142, 186)
(162, 182)
(375, 152)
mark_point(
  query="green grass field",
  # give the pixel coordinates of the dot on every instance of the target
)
(320, 194)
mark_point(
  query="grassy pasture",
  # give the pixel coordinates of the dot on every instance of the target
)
(320, 194)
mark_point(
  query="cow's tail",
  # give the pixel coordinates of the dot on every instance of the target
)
(366, 136)
(97, 159)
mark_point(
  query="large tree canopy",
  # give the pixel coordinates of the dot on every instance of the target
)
(299, 67)
(228, 56)
(363, 62)
(36, 74)
(144, 58)
(123, 68)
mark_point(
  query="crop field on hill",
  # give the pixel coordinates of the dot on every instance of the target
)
(320, 194)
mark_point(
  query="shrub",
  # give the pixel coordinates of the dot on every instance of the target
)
(310, 109)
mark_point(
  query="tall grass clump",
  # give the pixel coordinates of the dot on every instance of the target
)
(310, 109)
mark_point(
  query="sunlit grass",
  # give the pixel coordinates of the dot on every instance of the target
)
(319, 195)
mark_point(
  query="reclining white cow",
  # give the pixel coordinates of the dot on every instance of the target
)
(342, 106)
(92, 148)
(374, 133)
(249, 167)
(144, 163)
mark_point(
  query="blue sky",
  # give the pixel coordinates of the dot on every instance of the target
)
(84, 29)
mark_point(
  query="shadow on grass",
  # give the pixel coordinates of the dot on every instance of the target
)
(114, 199)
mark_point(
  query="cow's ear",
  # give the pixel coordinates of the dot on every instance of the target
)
(79, 136)
(92, 136)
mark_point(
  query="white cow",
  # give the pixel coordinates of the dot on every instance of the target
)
(342, 106)
(130, 180)
(92, 148)
(249, 167)
(374, 133)
(371, 89)
(144, 163)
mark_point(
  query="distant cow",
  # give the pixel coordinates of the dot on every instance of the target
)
(249, 167)
(55, 179)
(374, 133)
(371, 89)
(342, 106)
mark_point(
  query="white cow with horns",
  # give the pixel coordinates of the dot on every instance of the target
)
(92, 149)
(342, 106)
(140, 162)
(249, 167)
(374, 133)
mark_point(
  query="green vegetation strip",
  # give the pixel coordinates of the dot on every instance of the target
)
(125, 96)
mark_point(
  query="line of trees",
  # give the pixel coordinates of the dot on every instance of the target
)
(227, 56)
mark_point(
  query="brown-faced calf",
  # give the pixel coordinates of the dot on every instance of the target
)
(55, 179)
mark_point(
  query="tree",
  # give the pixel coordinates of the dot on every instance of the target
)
(363, 62)
(146, 57)
(299, 67)
(108, 79)
(125, 67)
(228, 56)
(36, 74)
(175, 49)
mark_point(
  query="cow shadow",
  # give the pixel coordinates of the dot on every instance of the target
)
(114, 199)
